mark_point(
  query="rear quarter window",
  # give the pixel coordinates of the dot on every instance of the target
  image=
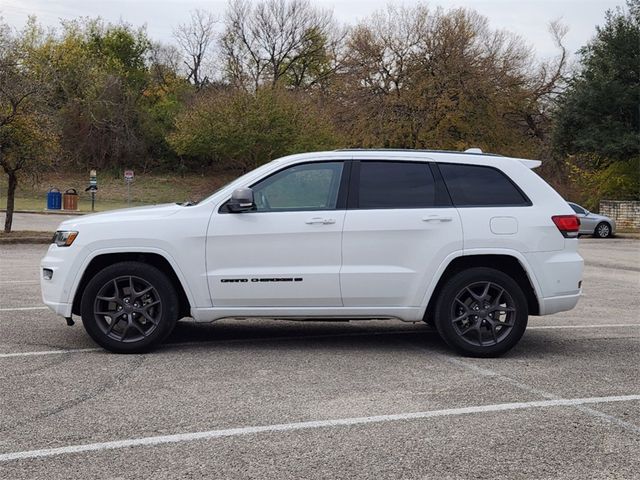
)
(480, 186)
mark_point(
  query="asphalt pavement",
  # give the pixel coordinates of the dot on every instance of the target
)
(362, 399)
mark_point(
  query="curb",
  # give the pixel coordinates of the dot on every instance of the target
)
(48, 212)
(26, 240)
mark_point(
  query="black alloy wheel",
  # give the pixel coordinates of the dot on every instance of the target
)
(481, 312)
(129, 307)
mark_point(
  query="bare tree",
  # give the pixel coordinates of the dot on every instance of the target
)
(164, 63)
(276, 39)
(196, 39)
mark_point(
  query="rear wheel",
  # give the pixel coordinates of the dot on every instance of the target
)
(481, 312)
(603, 230)
(129, 307)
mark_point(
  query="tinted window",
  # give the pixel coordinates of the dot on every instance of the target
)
(312, 186)
(474, 185)
(395, 185)
(577, 209)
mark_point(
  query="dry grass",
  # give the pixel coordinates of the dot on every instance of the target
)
(112, 192)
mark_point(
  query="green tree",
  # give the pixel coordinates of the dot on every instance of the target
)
(241, 130)
(101, 75)
(598, 118)
(27, 138)
(599, 111)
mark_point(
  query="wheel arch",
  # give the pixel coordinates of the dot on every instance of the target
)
(103, 260)
(504, 262)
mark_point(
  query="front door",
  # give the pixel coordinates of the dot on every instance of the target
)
(287, 251)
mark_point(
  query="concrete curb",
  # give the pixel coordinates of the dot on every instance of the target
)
(26, 240)
(48, 212)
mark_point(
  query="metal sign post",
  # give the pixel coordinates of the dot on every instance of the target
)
(128, 177)
(92, 188)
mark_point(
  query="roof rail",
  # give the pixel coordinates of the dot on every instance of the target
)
(469, 151)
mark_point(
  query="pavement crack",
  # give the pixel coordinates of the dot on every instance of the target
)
(114, 382)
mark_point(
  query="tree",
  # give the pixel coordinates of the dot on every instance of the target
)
(443, 79)
(597, 123)
(195, 40)
(101, 76)
(276, 39)
(598, 113)
(26, 137)
(240, 130)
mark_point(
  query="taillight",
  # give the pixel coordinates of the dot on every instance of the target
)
(569, 225)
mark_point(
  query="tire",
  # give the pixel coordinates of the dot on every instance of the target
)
(481, 312)
(124, 323)
(602, 230)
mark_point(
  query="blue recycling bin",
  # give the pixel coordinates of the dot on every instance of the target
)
(54, 199)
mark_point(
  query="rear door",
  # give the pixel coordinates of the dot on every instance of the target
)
(398, 229)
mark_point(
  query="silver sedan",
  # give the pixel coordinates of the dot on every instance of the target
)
(594, 224)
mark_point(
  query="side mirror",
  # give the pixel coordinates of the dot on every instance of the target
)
(241, 200)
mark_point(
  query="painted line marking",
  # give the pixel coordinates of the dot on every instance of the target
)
(285, 338)
(286, 427)
(601, 325)
(48, 352)
(213, 342)
(19, 281)
(22, 309)
(544, 394)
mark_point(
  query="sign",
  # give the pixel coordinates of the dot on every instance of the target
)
(93, 179)
(128, 175)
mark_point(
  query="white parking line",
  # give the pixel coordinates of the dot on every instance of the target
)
(289, 337)
(48, 352)
(468, 364)
(285, 427)
(21, 309)
(11, 282)
(600, 325)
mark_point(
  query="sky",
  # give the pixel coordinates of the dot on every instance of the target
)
(529, 19)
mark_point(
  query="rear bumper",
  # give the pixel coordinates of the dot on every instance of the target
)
(563, 303)
(559, 276)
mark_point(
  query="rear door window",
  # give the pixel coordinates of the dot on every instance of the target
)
(395, 185)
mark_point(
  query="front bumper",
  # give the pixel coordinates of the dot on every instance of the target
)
(56, 292)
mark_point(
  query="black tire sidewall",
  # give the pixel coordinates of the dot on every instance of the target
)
(447, 296)
(149, 273)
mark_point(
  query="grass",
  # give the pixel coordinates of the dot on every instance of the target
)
(112, 192)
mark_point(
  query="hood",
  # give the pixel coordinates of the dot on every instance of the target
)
(125, 214)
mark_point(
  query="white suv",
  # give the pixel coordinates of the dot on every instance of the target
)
(468, 242)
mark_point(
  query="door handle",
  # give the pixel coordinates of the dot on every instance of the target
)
(436, 218)
(320, 221)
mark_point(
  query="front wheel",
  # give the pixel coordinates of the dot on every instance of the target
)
(129, 307)
(481, 312)
(603, 230)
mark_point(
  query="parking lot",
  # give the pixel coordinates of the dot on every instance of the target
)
(284, 399)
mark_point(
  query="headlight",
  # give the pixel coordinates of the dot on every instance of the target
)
(64, 238)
